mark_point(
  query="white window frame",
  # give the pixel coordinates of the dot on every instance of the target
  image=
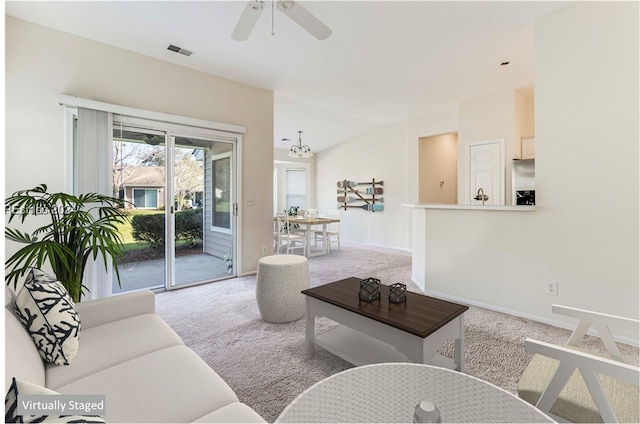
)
(133, 197)
(304, 195)
(280, 184)
(213, 227)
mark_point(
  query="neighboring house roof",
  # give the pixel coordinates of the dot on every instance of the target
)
(145, 176)
(148, 176)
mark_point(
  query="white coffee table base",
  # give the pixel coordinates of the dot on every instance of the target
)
(363, 341)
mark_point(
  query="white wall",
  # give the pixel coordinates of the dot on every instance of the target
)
(42, 63)
(525, 119)
(584, 233)
(486, 118)
(380, 154)
(587, 116)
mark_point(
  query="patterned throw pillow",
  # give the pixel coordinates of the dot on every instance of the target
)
(49, 315)
(24, 388)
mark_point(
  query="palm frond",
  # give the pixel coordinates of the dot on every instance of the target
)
(35, 255)
(81, 227)
(17, 236)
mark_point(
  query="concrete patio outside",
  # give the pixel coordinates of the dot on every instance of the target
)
(151, 273)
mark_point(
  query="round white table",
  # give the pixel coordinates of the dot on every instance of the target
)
(389, 393)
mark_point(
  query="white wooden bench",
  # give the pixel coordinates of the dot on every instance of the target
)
(573, 384)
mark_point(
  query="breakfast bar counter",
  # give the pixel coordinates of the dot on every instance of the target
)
(444, 233)
(498, 208)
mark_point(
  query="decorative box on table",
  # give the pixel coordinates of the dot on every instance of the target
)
(397, 293)
(369, 289)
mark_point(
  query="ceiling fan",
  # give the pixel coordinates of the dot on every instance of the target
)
(291, 8)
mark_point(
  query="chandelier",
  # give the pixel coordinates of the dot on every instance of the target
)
(300, 151)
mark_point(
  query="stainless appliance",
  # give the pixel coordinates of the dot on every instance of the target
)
(524, 182)
(525, 197)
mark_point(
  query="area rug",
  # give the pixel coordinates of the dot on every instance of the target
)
(265, 364)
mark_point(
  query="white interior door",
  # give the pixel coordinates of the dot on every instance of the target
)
(486, 171)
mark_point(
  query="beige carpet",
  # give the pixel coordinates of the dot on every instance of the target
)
(265, 363)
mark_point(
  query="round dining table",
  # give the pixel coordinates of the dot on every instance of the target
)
(389, 393)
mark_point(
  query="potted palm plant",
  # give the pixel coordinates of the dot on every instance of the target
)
(81, 227)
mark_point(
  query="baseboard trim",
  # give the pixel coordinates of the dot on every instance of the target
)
(371, 245)
(544, 320)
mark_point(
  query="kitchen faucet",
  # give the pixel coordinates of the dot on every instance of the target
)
(481, 196)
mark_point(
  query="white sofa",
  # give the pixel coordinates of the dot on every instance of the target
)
(129, 354)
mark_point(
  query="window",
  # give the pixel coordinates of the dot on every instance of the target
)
(296, 183)
(221, 175)
(145, 198)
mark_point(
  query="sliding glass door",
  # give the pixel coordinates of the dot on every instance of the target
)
(204, 198)
(180, 192)
(139, 179)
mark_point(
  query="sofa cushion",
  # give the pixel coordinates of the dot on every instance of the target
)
(23, 388)
(234, 413)
(9, 297)
(22, 359)
(113, 308)
(49, 315)
(170, 385)
(107, 345)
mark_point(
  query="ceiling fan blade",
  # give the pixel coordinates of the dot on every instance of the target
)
(304, 18)
(247, 20)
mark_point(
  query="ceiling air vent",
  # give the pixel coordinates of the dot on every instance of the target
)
(179, 50)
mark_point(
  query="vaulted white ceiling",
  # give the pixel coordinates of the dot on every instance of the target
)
(385, 60)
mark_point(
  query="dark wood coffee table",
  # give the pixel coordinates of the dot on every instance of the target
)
(383, 331)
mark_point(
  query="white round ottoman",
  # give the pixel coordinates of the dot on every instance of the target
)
(280, 280)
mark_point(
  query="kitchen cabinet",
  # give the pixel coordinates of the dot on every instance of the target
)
(528, 146)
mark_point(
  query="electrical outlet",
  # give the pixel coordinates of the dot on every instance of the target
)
(552, 288)
(264, 249)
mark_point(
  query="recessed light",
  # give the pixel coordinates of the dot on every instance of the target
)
(504, 63)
